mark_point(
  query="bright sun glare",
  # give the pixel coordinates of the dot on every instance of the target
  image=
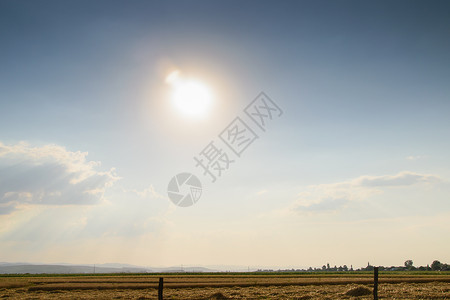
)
(190, 97)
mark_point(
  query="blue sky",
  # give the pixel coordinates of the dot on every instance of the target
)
(89, 140)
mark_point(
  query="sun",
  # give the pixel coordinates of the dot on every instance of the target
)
(190, 97)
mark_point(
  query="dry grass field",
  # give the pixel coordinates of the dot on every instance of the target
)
(222, 286)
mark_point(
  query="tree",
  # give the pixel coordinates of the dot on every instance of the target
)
(436, 265)
(409, 264)
(445, 267)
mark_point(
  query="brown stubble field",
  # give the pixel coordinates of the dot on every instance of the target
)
(220, 286)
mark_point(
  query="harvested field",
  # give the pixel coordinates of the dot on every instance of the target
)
(302, 286)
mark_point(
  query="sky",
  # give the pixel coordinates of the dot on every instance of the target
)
(351, 166)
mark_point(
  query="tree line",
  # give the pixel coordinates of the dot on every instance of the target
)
(407, 266)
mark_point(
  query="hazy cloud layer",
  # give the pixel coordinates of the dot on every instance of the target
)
(401, 179)
(49, 175)
(334, 196)
(415, 157)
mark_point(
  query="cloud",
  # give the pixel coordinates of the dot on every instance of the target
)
(49, 175)
(131, 215)
(415, 157)
(7, 208)
(326, 198)
(325, 205)
(261, 192)
(400, 179)
(146, 193)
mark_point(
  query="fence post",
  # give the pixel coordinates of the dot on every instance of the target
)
(160, 289)
(375, 283)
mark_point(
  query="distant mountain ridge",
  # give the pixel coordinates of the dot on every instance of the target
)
(63, 268)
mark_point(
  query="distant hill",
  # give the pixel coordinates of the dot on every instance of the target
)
(60, 269)
(23, 268)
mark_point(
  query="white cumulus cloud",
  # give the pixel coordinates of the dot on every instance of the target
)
(49, 175)
(334, 196)
(400, 179)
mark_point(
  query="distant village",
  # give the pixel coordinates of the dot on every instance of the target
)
(408, 266)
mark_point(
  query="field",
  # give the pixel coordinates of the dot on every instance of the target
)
(227, 286)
